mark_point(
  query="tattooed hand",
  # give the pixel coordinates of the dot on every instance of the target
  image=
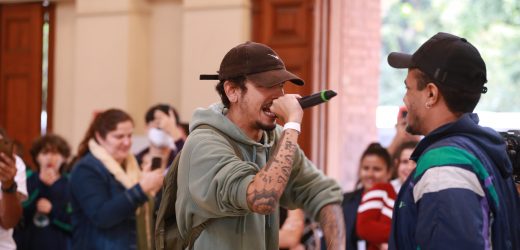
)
(287, 108)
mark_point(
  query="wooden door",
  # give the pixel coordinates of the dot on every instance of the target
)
(287, 27)
(21, 71)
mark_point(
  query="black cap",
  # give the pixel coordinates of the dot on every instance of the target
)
(256, 62)
(448, 60)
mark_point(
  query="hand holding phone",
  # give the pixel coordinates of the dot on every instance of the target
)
(6, 147)
(7, 162)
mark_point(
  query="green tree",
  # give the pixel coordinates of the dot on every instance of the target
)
(493, 26)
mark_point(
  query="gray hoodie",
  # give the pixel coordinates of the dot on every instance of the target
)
(212, 183)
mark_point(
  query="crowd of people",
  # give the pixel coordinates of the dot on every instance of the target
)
(245, 179)
(103, 197)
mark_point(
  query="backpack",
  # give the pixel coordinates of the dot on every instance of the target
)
(167, 235)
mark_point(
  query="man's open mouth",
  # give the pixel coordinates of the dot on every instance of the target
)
(267, 110)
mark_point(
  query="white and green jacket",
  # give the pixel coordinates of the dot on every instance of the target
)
(461, 195)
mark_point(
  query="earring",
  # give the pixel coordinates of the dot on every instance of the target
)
(428, 105)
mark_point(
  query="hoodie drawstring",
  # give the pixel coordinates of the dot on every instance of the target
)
(268, 217)
(254, 154)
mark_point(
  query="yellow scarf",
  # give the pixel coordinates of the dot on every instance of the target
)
(128, 179)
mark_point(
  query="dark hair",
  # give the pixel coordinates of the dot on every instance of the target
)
(403, 146)
(376, 149)
(185, 127)
(458, 100)
(165, 108)
(397, 155)
(50, 142)
(239, 81)
(103, 123)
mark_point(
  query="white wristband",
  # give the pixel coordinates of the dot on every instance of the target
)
(292, 125)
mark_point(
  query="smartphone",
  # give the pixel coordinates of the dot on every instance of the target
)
(6, 147)
(403, 112)
(156, 163)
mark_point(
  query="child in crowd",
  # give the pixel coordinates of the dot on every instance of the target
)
(46, 214)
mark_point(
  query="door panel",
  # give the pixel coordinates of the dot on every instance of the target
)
(20, 71)
(287, 27)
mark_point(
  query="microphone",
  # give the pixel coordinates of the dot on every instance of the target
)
(316, 98)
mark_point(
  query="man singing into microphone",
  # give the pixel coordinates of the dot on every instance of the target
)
(241, 192)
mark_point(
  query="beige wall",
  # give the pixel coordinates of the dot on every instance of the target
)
(64, 89)
(105, 44)
(131, 54)
(165, 53)
(210, 29)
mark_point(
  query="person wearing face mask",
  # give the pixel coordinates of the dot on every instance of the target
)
(164, 133)
(46, 214)
(166, 140)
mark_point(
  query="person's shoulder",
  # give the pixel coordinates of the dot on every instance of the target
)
(29, 173)
(86, 163)
(202, 143)
(204, 130)
(445, 155)
(352, 195)
(449, 167)
(205, 136)
(20, 164)
(385, 186)
(382, 189)
(32, 176)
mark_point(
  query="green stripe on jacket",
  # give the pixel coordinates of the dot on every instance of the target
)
(452, 156)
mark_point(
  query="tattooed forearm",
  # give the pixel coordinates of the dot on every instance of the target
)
(333, 225)
(267, 186)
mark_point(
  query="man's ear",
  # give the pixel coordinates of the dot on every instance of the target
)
(433, 93)
(231, 91)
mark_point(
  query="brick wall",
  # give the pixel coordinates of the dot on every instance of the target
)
(354, 73)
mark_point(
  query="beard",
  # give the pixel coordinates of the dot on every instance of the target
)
(413, 130)
(266, 127)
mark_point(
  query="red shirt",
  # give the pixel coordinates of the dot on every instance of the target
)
(374, 217)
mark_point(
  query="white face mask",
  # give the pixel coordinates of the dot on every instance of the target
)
(160, 138)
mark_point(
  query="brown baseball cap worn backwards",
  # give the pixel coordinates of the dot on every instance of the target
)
(257, 62)
(449, 60)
